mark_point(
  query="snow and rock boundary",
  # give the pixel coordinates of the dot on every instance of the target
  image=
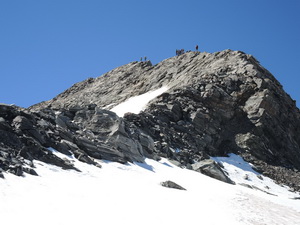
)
(216, 104)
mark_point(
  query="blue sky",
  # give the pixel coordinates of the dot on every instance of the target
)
(48, 45)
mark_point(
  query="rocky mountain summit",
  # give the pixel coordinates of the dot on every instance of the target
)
(214, 104)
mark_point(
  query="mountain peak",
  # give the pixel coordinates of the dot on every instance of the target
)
(137, 78)
(198, 105)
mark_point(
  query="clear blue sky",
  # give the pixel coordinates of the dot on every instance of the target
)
(48, 45)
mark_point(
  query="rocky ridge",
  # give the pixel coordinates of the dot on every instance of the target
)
(215, 104)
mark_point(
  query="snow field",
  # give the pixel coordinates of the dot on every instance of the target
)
(242, 172)
(132, 194)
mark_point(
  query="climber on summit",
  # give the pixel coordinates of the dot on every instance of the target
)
(197, 48)
(179, 52)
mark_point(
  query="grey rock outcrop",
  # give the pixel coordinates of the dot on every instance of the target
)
(87, 133)
(210, 168)
(171, 184)
(216, 103)
(21, 142)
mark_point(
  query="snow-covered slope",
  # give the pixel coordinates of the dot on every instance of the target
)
(132, 194)
(242, 173)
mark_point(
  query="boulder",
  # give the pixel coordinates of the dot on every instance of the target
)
(212, 169)
(171, 184)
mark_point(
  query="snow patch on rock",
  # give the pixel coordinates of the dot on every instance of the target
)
(137, 104)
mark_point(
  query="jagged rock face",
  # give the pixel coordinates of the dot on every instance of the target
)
(89, 133)
(21, 142)
(139, 77)
(237, 107)
(215, 104)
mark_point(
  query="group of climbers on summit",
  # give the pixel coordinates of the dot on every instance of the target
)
(178, 53)
(181, 51)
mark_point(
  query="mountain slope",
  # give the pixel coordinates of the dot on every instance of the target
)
(137, 78)
(132, 194)
(212, 104)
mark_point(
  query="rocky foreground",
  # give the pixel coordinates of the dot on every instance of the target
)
(216, 104)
